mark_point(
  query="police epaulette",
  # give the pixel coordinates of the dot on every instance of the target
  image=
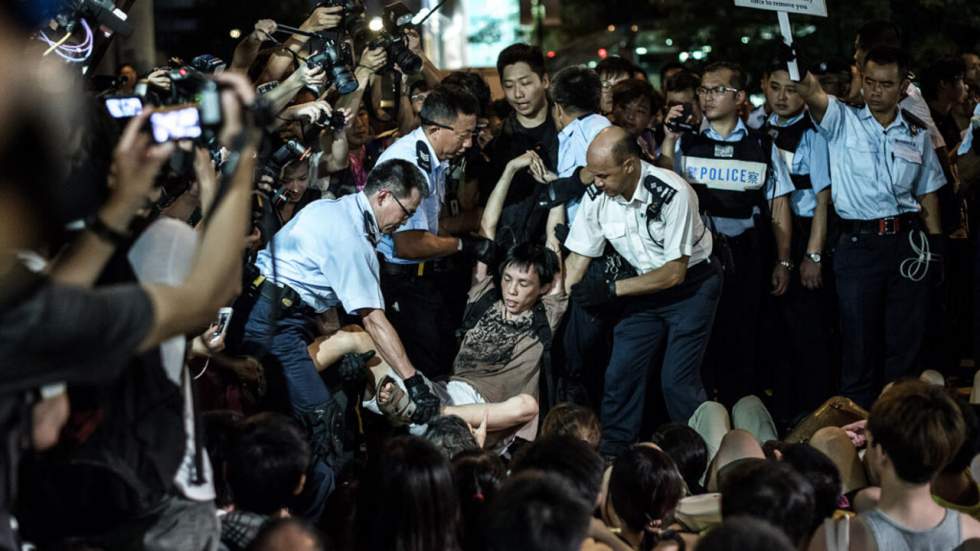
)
(913, 120)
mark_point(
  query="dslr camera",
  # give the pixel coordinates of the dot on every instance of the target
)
(336, 59)
(352, 17)
(397, 18)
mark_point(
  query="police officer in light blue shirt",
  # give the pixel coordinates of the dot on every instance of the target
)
(415, 304)
(743, 186)
(324, 258)
(886, 174)
(802, 360)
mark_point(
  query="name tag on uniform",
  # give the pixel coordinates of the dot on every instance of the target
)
(725, 174)
(907, 151)
(724, 151)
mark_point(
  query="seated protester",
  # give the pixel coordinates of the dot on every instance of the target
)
(570, 419)
(477, 475)
(770, 491)
(822, 474)
(688, 450)
(954, 487)
(745, 534)
(407, 500)
(451, 435)
(572, 459)
(635, 103)
(536, 511)
(644, 489)
(506, 336)
(913, 431)
(287, 534)
(265, 468)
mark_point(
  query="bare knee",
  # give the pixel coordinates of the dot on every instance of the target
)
(739, 444)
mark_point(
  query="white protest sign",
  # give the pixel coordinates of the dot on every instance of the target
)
(783, 9)
(806, 7)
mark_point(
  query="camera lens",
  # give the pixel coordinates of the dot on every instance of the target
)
(409, 63)
(343, 79)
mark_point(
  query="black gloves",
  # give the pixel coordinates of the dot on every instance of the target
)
(479, 248)
(426, 403)
(591, 292)
(350, 369)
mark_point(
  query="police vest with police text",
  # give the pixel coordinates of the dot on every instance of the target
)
(729, 177)
(787, 140)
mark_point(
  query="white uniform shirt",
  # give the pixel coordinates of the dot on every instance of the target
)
(326, 254)
(645, 244)
(416, 149)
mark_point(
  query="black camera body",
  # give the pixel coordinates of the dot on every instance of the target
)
(352, 16)
(336, 60)
(335, 121)
(188, 85)
(396, 48)
(288, 152)
(680, 123)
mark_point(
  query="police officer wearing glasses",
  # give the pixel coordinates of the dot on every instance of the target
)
(324, 259)
(414, 301)
(743, 186)
(886, 175)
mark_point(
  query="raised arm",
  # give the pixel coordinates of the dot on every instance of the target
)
(320, 20)
(816, 99)
(248, 49)
(495, 203)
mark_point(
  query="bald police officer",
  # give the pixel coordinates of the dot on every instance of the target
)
(325, 259)
(414, 301)
(886, 174)
(651, 217)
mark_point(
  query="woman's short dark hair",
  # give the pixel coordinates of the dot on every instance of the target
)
(688, 450)
(532, 255)
(772, 491)
(576, 89)
(645, 486)
(521, 53)
(821, 472)
(573, 420)
(568, 457)
(536, 511)
(266, 463)
(407, 501)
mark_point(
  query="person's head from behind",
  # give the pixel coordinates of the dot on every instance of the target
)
(644, 489)
(568, 457)
(968, 449)
(574, 91)
(524, 79)
(822, 474)
(614, 159)
(526, 274)
(536, 511)
(477, 475)
(944, 81)
(914, 430)
(884, 78)
(395, 188)
(722, 91)
(613, 70)
(267, 464)
(772, 491)
(449, 116)
(634, 103)
(474, 84)
(688, 450)
(873, 34)
(781, 93)
(577, 421)
(745, 534)
(450, 435)
(286, 534)
(407, 500)
(681, 88)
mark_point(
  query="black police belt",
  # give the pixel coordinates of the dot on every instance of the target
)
(413, 270)
(278, 293)
(891, 225)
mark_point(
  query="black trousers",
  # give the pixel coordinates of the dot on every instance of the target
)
(731, 364)
(806, 345)
(416, 308)
(883, 314)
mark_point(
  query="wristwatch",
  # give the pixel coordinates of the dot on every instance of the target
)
(814, 257)
(788, 264)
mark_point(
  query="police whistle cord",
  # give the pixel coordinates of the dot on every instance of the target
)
(917, 267)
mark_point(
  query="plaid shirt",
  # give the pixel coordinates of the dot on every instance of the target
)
(239, 528)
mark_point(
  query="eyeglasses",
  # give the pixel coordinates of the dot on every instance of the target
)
(463, 135)
(408, 213)
(716, 91)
